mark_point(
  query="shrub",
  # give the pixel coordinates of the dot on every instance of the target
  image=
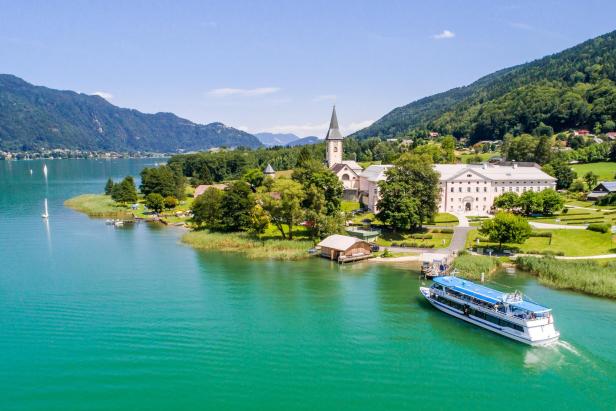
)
(600, 228)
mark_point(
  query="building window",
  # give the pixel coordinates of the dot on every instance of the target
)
(335, 149)
(485, 189)
(468, 189)
(469, 175)
(496, 189)
(477, 189)
(452, 189)
(460, 189)
(517, 189)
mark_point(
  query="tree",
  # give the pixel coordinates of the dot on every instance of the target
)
(254, 177)
(531, 202)
(507, 201)
(410, 194)
(284, 205)
(314, 173)
(125, 191)
(237, 204)
(155, 202)
(522, 148)
(109, 187)
(449, 145)
(207, 209)
(543, 150)
(564, 175)
(171, 202)
(506, 228)
(551, 201)
(259, 220)
(591, 179)
(163, 180)
(577, 186)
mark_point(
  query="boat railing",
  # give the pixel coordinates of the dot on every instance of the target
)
(507, 313)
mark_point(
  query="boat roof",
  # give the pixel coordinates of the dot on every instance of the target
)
(486, 294)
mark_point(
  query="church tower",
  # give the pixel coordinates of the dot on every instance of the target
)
(333, 141)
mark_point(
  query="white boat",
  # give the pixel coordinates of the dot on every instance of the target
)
(45, 170)
(46, 212)
(507, 314)
(118, 223)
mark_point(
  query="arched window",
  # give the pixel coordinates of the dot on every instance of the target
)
(345, 177)
(335, 149)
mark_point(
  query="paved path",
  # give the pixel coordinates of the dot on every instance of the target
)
(588, 257)
(548, 226)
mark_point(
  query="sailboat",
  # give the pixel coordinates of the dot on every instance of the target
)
(45, 170)
(45, 215)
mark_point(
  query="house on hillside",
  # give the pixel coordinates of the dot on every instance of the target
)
(581, 132)
(344, 248)
(601, 190)
(201, 188)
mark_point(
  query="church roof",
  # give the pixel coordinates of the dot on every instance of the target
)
(334, 132)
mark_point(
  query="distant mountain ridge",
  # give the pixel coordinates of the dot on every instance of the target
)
(572, 88)
(34, 117)
(285, 139)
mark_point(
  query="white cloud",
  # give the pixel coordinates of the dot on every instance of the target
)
(445, 34)
(242, 92)
(324, 97)
(103, 94)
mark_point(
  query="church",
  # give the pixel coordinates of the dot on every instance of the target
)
(464, 188)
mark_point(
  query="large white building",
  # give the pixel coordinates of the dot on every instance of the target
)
(464, 188)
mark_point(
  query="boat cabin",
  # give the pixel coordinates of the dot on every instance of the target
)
(510, 304)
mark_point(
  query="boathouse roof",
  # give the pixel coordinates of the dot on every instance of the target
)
(486, 294)
(340, 242)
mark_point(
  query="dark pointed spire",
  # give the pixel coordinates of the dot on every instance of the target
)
(334, 132)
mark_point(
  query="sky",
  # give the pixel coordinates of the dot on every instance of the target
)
(279, 66)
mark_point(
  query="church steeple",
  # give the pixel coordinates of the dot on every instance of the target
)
(334, 132)
(333, 141)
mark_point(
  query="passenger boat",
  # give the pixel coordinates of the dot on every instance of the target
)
(507, 314)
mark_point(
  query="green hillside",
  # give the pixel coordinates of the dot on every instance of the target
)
(34, 117)
(573, 88)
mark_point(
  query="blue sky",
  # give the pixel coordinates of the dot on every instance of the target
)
(279, 66)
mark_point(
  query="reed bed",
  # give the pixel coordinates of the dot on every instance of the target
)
(249, 246)
(471, 266)
(587, 276)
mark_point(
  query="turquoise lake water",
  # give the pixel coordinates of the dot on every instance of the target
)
(97, 318)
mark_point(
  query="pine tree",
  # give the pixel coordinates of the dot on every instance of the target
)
(109, 187)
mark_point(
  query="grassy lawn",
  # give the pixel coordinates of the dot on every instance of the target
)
(605, 170)
(97, 205)
(576, 216)
(438, 240)
(568, 242)
(484, 156)
(348, 206)
(102, 206)
(445, 220)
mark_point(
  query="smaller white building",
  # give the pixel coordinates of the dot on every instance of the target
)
(369, 184)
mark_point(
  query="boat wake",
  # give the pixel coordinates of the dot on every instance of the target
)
(568, 347)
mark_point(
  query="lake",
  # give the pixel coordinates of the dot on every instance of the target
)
(99, 318)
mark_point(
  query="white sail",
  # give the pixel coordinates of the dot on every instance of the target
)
(46, 213)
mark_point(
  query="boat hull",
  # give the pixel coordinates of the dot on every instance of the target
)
(487, 326)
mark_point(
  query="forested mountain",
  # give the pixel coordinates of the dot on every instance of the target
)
(304, 140)
(573, 88)
(34, 117)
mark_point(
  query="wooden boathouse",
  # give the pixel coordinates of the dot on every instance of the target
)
(343, 248)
